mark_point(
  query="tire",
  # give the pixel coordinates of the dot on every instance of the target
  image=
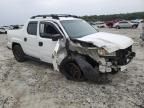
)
(71, 70)
(117, 27)
(134, 26)
(114, 71)
(18, 53)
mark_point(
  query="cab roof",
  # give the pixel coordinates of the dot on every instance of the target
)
(54, 17)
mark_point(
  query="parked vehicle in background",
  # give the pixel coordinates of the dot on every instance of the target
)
(124, 24)
(15, 26)
(100, 24)
(91, 23)
(110, 24)
(137, 21)
(21, 26)
(73, 46)
(3, 31)
(6, 27)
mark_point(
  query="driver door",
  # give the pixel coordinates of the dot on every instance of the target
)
(46, 44)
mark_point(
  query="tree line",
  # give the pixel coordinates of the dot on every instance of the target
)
(127, 16)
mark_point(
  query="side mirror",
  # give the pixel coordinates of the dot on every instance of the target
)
(45, 35)
(56, 37)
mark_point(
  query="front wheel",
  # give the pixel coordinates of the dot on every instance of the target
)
(71, 70)
(18, 53)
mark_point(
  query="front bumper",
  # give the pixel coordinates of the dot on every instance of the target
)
(119, 62)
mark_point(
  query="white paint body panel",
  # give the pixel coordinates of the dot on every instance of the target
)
(2, 30)
(111, 42)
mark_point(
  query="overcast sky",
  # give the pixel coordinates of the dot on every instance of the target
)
(18, 11)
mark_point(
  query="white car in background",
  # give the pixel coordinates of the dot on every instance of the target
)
(3, 31)
(137, 21)
(100, 24)
(124, 24)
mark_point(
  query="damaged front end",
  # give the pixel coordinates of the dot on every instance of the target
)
(119, 61)
(91, 60)
(107, 62)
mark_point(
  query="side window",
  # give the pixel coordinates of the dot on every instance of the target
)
(32, 28)
(124, 22)
(48, 29)
(121, 22)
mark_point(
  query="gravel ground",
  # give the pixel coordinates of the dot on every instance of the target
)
(35, 85)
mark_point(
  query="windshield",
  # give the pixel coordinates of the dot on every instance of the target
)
(77, 28)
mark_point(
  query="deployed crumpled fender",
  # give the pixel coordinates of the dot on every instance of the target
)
(59, 54)
(89, 72)
(110, 42)
(61, 58)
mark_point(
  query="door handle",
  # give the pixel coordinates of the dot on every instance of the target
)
(40, 43)
(25, 39)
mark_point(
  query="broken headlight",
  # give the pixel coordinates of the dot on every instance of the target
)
(102, 52)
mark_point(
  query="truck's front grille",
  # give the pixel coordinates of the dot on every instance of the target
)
(124, 56)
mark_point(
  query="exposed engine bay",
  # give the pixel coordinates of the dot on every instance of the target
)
(93, 61)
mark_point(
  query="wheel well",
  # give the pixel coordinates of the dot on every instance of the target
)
(14, 43)
(91, 61)
(134, 25)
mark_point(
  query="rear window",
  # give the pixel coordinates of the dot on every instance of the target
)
(32, 28)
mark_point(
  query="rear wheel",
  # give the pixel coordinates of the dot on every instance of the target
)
(18, 53)
(118, 27)
(134, 26)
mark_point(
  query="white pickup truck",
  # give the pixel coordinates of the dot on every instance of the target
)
(74, 47)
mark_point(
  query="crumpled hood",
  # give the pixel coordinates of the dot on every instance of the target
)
(108, 41)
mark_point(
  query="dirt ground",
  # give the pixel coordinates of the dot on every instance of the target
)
(35, 85)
